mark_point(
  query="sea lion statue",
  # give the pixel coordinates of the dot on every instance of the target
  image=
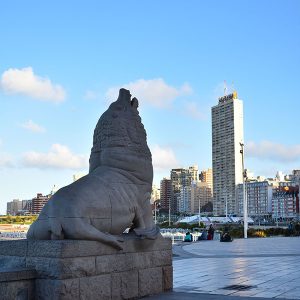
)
(115, 195)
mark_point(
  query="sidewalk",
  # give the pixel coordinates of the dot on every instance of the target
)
(265, 268)
(193, 296)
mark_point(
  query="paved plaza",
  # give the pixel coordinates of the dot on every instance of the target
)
(259, 267)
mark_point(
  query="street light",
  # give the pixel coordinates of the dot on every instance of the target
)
(226, 206)
(245, 208)
(199, 216)
(169, 212)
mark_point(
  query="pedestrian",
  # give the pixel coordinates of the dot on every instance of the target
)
(225, 236)
(203, 236)
(188, 237)
(211, 232)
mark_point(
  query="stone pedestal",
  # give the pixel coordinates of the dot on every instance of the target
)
(73, 269)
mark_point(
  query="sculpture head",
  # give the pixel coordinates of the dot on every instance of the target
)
(120, 138)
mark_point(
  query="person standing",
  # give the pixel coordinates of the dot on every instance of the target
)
(211, 231)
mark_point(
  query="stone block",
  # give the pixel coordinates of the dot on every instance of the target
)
(125, 262)
(95, 287)
(75, 269)
(17, 274)
(79, 248)
(67, 248)
(114, 263)
(142, 260)
(167, 278)
(134, 244)
(66, 289)
(161, 258)
(20, 290)
(132, 261)
(13, 248)
(150, 281)
(57, 268)
(10, 262)
(125, 285)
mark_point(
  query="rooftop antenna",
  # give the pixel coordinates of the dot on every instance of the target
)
(225, 88)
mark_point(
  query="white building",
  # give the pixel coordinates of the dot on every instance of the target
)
(259, 198)
(184, 203)
(155, 194)
(279, 176)
(227, 134)
(14, 207)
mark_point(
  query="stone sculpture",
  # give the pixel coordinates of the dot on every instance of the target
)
(115, 194)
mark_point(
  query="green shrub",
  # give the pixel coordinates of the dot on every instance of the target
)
(183, 225)
(166, 225)
(236, 232)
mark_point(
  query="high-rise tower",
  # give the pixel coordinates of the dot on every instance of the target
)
(166, 195)
(227, 134)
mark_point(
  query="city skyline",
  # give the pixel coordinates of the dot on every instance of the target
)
(60, 67)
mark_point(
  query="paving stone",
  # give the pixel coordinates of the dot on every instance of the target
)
(270, 276)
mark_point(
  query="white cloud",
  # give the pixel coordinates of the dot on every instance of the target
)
(25, 82)
(31, 126)
(59, 157)
(191, 109)
(163, 158)
(273, 151)
(6, 161)
(154, 91)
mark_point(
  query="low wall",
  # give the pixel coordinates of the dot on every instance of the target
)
(73, 269)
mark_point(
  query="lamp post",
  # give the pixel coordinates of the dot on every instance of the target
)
(298, 212)
(199, 216)
(277, 211)
(169, 212)
(226, 206)
(245, 208)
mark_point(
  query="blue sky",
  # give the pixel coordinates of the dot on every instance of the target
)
(61, 63)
